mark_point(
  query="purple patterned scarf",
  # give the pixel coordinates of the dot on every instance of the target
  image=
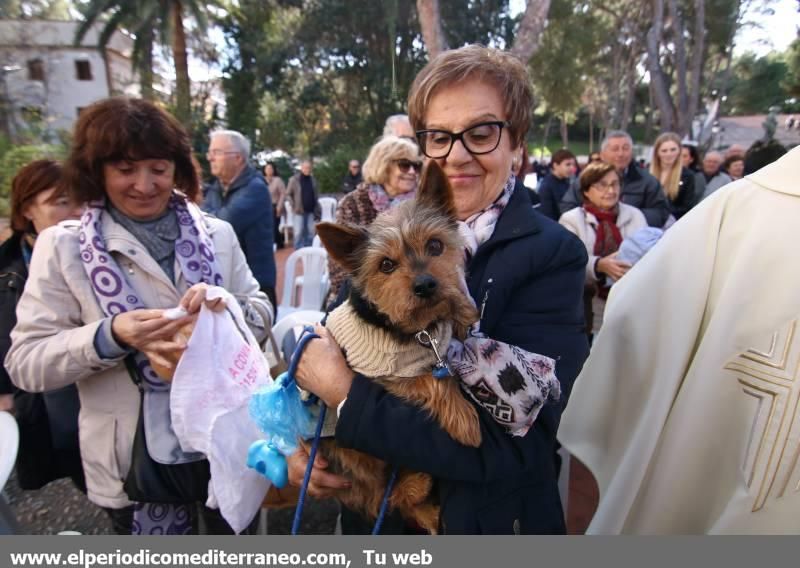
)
(194, 251)
(382, 201)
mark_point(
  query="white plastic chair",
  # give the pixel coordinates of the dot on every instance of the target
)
(287, 222)
(9, 445)
(328, 206)
(294, 320)
(311, 284)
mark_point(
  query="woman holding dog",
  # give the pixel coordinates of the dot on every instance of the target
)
(391, 172)
(471, 110)
(92, 312)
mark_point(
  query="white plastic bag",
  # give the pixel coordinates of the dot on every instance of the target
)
(221, 367)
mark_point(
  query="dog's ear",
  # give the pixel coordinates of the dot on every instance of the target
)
(343, 243)
(435, 191)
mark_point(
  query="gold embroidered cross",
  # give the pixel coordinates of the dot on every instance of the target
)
(770, 377)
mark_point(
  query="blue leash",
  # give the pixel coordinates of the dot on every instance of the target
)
(307, 335)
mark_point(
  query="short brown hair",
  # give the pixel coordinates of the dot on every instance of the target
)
(561, 155)
(122, 128)
(498, 68)
(30, 181)
(594, 172)
(379, 160)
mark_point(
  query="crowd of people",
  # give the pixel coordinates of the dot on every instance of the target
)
(125, 229)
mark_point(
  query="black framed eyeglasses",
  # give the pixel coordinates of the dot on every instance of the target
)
(406, 165)
(478, 139)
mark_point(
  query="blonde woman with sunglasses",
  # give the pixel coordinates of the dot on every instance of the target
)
(391, 173)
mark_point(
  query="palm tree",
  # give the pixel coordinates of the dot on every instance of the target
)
(148, 19)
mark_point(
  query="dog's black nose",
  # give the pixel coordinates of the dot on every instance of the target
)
(424, 285)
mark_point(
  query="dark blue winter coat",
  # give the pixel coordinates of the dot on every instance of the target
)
(551, 192)
(530, 276)
(247, 206)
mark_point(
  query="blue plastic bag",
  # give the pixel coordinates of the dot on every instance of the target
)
(284, 418)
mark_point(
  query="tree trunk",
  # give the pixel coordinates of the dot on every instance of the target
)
(591, 131)
(146, 65)
(658, 80)
(530, 29)
(616, 82)
(430, 22)
(546, 133)
(183, 95)
(678, 38)
(564, 131)
(697, 58)
(631, 82)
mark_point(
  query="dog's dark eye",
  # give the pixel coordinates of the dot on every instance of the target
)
(434, 247)
(387, 266)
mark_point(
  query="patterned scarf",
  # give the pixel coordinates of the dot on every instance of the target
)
(607, 238)
(510, 383)
(479, 227)
(383, 201)
(194, 250)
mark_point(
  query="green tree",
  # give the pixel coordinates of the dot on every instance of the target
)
(791, 82)
(757, 84)
(146, 16)
(559, 67)
(140, 18)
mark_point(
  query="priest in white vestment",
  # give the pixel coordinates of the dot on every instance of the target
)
(686, 411)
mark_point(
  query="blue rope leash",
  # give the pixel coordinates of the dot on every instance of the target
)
(384, 503)
(307, 335)
(301, 500)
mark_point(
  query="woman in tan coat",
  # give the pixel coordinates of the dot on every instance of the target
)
(94, 303)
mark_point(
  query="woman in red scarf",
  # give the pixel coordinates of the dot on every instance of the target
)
(602, 223)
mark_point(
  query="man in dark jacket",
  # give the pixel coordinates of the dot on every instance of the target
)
(240, 196)
(639, 188)
(353, 177)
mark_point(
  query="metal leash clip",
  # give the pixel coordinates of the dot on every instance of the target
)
(440, 369)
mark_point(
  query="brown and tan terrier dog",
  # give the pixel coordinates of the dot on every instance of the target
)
(407, 291)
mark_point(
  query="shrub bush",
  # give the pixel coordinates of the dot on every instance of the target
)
(330, 171)
(17, 157)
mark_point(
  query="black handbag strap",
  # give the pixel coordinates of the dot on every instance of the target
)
(133, 372)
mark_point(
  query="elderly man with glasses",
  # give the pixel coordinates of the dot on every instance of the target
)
(240, 196)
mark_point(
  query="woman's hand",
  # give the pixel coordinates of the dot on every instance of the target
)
(196, 296)
(323, 369)
(321, 484)
(147, 330)
(614, 268)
